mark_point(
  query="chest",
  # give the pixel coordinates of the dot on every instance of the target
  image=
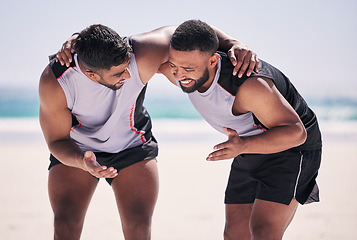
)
(215, 105)
(94, 105)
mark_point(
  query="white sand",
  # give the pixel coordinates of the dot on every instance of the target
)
(190, 204)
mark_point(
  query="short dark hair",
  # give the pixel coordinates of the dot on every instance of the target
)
(99, 47)
(194, 35)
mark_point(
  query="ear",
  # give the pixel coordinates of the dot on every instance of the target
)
(92, 75)
(214, 60)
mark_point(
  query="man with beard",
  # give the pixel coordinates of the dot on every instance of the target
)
(273, 135)
(95, 126)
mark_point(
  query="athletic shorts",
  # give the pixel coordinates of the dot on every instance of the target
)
(123, 159)
(277, 177)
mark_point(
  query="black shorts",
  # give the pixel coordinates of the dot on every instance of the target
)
(277, 177)
(123, 159)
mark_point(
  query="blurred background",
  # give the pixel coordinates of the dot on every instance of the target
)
(312, 42)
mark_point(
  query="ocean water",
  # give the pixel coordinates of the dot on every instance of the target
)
(170, 112)
(24, 102)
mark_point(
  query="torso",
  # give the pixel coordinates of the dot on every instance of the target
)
(107, 118)
(215, 104)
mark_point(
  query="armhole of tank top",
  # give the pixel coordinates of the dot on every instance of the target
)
(135, 72)
(67, 93)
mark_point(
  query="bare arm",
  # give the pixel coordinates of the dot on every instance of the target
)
(56, 123)
(151, 50)
(242, 58)
(285, 129)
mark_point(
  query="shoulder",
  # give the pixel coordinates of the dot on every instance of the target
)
(226, 79)
(151, 50)
(57, 69)
(158, 38)
(257, 84)
(49, 88)
(47, 77)
(255, 93)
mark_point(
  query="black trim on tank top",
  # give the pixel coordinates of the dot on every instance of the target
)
(57, 68)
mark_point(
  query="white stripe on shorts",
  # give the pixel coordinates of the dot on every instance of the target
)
(298, 176)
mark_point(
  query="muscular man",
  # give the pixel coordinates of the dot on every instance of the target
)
(273, 135)
(95, 125)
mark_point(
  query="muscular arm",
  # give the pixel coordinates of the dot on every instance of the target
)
(242, 58)
(285, 129)
(56, 121)
(151, 51)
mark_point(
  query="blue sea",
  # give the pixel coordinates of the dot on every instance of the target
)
(19, 108)
(24, 103)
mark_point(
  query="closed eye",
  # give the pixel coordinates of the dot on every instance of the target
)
(189, 69)
(171, 64)
(119, 74)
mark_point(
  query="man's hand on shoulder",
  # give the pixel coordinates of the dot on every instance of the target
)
(64, 55)
(243, 60)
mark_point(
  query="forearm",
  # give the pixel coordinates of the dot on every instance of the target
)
(67, 152)
(226, 41)
(275, 140)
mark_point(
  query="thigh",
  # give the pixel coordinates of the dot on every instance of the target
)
(241, 187)
(271, 218)
(70, 190)
(277, 176)
(237, 221)
(136, 190)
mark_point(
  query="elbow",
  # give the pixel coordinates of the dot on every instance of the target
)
(301, 134)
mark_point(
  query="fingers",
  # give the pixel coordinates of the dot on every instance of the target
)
(64, 57)
(256, 59)
(244, 61)
(229, 130)
(239, 55)
(73, 43)
(251, 65)
(231, 133)
(104, 172)
(228, 149)
(97, 170)
(221, 154)
(232, 57)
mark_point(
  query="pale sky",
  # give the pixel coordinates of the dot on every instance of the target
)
(313, 42)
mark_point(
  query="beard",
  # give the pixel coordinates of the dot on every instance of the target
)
(111, 86)
(198, 82)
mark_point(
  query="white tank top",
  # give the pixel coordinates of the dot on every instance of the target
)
(215, 106)
(106, 116)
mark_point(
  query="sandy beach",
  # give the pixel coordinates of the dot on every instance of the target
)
(190, 204)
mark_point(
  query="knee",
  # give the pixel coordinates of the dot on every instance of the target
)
(137, 225)
(137, 230)
(138, 222)
(266, 232)
(236, 232)
(68, 224)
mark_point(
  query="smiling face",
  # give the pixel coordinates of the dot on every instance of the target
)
(194, 70)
